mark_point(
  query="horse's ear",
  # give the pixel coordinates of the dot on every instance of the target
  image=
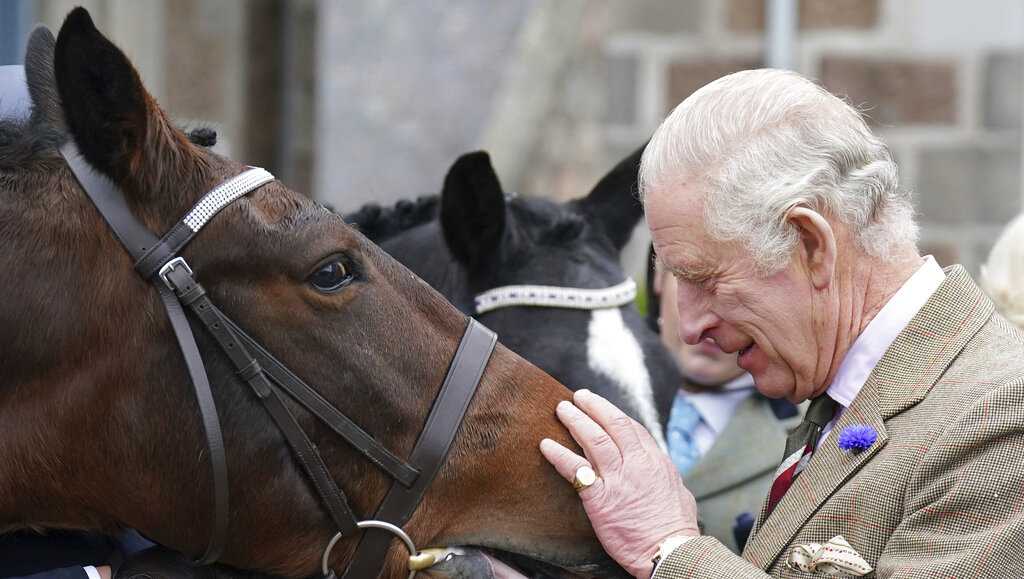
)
(113, 120)
(614, 202)
(473, 210)
(39, 75)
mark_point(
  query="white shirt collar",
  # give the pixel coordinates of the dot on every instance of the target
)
(881, 331)
(716, 407)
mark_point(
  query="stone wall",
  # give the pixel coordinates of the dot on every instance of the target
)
(940, 80)
(244, 68)
(373, 99)
(403, 88)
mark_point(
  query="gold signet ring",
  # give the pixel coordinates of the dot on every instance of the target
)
(585, 476)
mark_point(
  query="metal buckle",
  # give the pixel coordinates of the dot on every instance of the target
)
(417, 561)
(171, 266)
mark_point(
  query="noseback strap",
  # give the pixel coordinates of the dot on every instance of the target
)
(194, 297)
(342, 425)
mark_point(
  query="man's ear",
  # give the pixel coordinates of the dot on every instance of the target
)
(473, 216)
(817, 245)
(113, 120)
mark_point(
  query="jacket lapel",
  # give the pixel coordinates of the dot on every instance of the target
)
(734, 460)
(902, 378)
(828, 470)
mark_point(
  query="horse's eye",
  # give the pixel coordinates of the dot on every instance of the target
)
(331, 277)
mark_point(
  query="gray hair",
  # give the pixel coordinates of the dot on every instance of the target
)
(1002, 276)
(761, 142)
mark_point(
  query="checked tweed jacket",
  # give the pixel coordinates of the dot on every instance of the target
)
(941, 492)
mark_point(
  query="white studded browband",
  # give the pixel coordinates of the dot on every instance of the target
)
(222, 195)
(545, 296)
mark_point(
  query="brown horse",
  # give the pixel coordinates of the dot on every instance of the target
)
(100, 429)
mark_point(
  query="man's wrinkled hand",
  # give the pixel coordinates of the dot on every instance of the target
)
(638, 499)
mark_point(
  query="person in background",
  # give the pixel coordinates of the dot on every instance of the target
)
(1002, 276)
(723, 435)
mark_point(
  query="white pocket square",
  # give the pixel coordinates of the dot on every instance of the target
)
(835, 557)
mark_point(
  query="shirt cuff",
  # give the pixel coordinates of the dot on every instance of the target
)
(667, 546)
(92, 572)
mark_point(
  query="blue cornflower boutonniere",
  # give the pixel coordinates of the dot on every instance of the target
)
(857, 437)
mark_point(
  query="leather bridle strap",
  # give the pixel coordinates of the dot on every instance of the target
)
(181, 233)
(431, 449)
(137, 240)
(192, 294)
(312, 401)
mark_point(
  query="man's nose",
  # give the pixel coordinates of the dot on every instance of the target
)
(694, 317)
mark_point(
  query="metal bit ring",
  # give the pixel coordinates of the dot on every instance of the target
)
(370, 524)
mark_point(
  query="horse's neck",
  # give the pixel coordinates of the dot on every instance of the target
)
(52, 460)
(66, 408)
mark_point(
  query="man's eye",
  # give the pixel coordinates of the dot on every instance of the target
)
(703, 281)
(691, 279)
(331, 277)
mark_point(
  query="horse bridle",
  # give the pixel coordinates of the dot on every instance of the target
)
(158, 261)
(553, 296)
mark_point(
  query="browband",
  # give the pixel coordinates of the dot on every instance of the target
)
(178, 236)
(556, 297)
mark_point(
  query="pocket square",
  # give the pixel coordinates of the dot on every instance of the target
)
(835, 557)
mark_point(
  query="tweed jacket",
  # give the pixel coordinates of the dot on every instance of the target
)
(734, 476)
(941, 491)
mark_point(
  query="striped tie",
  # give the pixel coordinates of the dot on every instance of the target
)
(800, 445)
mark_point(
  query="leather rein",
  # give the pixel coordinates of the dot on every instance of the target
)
(157, 260)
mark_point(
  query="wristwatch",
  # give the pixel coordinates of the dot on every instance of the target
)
(665, 549)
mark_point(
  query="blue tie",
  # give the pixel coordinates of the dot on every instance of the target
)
(682, 423)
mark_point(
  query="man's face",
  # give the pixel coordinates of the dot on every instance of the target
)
(769, 321)
(705, 363)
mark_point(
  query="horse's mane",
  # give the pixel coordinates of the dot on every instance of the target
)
(20, 142)
(381, 223)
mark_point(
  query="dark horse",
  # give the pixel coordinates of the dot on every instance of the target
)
(100, 427)
(474, 237)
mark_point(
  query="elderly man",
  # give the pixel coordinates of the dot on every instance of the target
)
(778, 212)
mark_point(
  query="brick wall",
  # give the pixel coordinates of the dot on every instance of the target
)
(244, 68)
(373, 101)
(376, 99)
(940, 80)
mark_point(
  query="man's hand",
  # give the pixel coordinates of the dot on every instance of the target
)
(638, 499)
